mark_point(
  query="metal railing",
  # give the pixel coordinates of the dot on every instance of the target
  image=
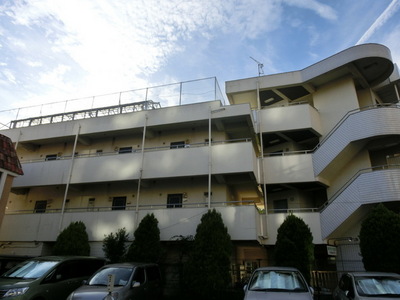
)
(333, 130)
(353, 178)
(201, 204)
(174, 94)
(139, 150)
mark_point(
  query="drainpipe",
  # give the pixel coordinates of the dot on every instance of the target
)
(140, 175)
(210, 112)
(71, 166)
(263, 234)
(209, 159)
(17, 141)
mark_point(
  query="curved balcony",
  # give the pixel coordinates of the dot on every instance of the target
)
(380, 184)
(357, 125)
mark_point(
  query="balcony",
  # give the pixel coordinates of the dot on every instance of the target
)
(286, 118)
(310, 216)
(241, 221)
(289, 167)
(190, 160)
(369, 186)
(351, 133)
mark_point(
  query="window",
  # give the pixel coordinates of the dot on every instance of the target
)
(176, 145)
(139, 275)
(153, 273)
(40, 206)
(174, 200)
(91, 203)
(119, 203)
(51, 157)
(280, 205)
(125, 150)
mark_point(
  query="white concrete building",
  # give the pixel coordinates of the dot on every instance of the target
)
(321, 143)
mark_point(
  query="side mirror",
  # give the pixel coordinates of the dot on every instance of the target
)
(312, 290)
(135, 284)
(245, 287)
(349, 294)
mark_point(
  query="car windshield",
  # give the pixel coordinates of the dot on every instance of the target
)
(378, 285)
(122, 276)
(279, 281)
(30, 269)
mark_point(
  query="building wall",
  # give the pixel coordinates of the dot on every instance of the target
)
(334, 100)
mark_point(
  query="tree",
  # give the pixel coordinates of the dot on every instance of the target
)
(207, 271)
(294, 247)
(114, 246)
(380, 240)
(146, 246)
(73, 240)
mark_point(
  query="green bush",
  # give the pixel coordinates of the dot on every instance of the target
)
(73, 240)
(114, 246)
(146, 246)
(207, 272)
(294, 247)
(380, 240)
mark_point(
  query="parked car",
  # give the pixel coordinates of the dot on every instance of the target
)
(122, 281)
(368, 285)
(277, 283)
(7, 262)
(47, 278)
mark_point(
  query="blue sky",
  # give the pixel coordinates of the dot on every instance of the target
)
(52, 50)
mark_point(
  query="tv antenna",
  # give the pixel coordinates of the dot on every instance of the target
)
(260, 67)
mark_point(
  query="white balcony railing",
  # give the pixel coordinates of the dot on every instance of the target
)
(193, 160)
(239, 219)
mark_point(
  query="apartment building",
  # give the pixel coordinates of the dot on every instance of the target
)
(321, 143)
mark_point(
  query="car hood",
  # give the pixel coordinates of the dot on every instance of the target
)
(14, 282)
(261, 295)
(89, 292)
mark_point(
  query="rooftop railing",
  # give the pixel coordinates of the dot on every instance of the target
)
(174, 94)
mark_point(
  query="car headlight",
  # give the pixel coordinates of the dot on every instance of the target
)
(15, 292)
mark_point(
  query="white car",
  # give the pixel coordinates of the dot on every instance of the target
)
(277, 283)
(368, 285)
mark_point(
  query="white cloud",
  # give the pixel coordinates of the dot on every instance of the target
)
(323, 10)
(9, 76)
(380, 21)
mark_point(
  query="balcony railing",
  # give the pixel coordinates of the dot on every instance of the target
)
(146, 149)
(187, 92)
(162, 206)
(333, 130)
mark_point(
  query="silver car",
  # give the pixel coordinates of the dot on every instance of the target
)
(123, 281)
(368, 285)
(280, 283)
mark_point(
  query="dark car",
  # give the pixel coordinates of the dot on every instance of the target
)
(47, 278)
(122, 281)
(7, 262)
(368, 285)
(277, 283)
